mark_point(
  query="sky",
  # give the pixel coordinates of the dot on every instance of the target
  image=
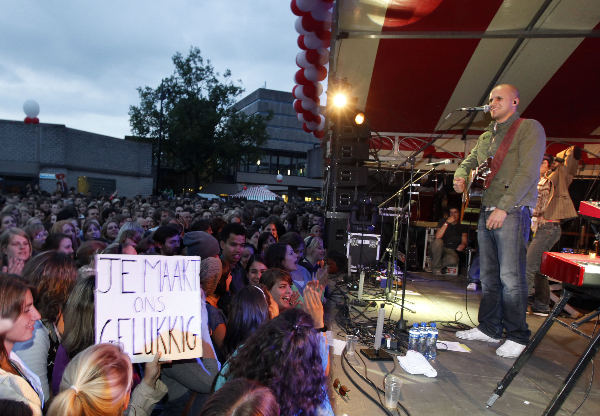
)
(83, 60)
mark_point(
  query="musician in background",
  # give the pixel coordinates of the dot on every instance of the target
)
(450, 239)
(505, 218)
(553, 206)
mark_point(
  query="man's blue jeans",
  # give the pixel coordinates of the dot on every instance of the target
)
(503, 257)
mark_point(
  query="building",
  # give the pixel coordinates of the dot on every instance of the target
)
(47, 153)
(286, 150)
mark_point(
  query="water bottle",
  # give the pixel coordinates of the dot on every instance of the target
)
(432, 342)
(413, 337)
(422, 338)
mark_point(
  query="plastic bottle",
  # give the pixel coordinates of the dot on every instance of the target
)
(423, 338)
(432, 342)
(413, 337)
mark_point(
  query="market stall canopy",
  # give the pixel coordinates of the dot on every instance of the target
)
(257, 193)
(410, 63)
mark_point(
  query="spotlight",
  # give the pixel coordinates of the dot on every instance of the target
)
(340, 100)
(359, 118)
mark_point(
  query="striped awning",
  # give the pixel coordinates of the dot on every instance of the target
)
(411, 63)
(257, 193)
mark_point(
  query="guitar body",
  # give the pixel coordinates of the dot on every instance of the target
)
(473, 193)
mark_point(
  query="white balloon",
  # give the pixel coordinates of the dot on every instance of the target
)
(300, 93)
(300, 117)
(312, 41)
(322, 16)
(298, 25)
(323, 56)
(31, 108)
(301, 59)
(309, 105)
(319, 88)
(312, 74)
(321, 123)
(312, 125)
(306, 5)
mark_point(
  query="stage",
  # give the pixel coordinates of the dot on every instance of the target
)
(465, 381)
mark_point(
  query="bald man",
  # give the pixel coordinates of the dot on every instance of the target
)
(504, 221)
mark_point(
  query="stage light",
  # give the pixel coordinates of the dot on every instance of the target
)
(340, 100)
(359, 118)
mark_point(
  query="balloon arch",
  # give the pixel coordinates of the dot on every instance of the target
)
(314, 27)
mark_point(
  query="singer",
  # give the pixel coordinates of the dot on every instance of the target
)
(503, 230)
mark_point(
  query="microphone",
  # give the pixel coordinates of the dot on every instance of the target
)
(484, 108)
(441, 162)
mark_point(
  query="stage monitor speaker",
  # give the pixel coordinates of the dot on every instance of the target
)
(352, 175)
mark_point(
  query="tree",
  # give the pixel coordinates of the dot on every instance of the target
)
(193, 110)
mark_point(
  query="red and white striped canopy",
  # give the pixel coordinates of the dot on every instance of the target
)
(257, 193)
(410, 63)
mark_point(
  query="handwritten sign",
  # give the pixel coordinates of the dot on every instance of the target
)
(149, 304)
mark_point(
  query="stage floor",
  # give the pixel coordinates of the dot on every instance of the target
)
(465, 381)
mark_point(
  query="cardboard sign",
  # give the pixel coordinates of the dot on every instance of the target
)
(149, 304)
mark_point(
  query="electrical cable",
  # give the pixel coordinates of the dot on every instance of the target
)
(368, 381)
(589, 387)
(344, 358)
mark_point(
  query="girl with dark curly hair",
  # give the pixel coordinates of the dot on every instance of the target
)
(290, 357)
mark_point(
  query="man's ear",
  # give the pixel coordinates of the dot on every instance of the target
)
(222, 244)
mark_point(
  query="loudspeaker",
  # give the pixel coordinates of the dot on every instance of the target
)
(344, 198)
(351, 151)
(352, 175)
(336, 226)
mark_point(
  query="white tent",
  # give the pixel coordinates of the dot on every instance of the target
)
(257, 193)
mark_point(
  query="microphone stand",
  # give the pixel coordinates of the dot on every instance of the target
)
(402, 324)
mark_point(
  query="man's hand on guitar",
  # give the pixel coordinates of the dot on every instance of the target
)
(496, 219)
(459, 184)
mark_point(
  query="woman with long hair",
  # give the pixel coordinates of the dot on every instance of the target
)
(250, 307)
(59, 242)
(52, 275)
(15, 249)
(17, 382)
(98, 382)
(296, 373)
(264, 241)
(37, 235)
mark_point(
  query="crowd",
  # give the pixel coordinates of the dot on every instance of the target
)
(264, 286)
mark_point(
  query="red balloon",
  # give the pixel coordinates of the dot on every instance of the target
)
(300, 78)
(294, 91)
(301, 44)
(312, 56)
(310, 24)
(310, 91)
(296, 10)
(324, 35)
(310, 116)
(319, 134)
(305, 128)
(298, 106)
(245, 187)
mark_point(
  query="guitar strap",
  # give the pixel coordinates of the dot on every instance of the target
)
(502, 151)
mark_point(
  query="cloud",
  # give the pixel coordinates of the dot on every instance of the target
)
(82, 61)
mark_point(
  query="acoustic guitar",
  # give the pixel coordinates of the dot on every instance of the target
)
(473, 192)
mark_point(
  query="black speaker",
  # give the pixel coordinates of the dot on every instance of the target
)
(352, 175)
(349, 151)
(336, 226)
